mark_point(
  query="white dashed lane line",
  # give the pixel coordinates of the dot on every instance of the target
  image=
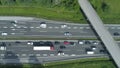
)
(13, 33)
(38, 55)
(56, 27)
(37, 27)
(87, 27)
(69, 27)
(118, 27)
(31, 27)
(5, 27)
(2, 54)
(112, 28)
(11, 27)
(81, 27)
(75, 27)
(50, 27)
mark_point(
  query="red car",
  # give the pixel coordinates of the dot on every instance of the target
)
(66, 42)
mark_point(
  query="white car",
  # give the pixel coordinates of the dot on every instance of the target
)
(14, 23)
(30, 43)
(63, 25)
(43, 25)
(2, 48)
(4, 34)
(80, 42)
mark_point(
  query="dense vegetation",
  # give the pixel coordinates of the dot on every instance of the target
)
(60, 9)
(67, 10)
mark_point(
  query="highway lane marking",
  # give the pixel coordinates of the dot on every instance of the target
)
(11, 27)
(75, 27)
(19, 33)
(81, 27)
(73, 54)
(50, 27)
(31, 27)
(2, 54)
(69, 27)
(17, 55)
(44, 54)
(87, 27)
(56, 27)
(118, 27)
(25, 27)
(112, 27)
(37, 54)
(37, 27)
(13, 33)
(18, 27)
(43, 31)
(31, 55)
(66, 55)
(5, 27)
(52, 55)
(24, 55)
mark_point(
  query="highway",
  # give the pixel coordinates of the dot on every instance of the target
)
(18, 51)
(53, 29)
(23, 53)
(102, 32)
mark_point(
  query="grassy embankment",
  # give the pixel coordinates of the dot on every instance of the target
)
(80, 63)
(107, 9)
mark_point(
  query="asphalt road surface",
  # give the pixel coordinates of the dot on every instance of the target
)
(53, 29)
(21, 50)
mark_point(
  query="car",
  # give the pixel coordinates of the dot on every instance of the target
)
(62, 47)
(93, 47)
(80, 42)
(2, 48)
(56, 42)
(116, 34)
(14, 23)
(66, 42)
(87, 42)
(72, 43)
(60, 52)
(103, 51)
(95, 42)
(17, 42)
(43, 25)
(4, 33)
(67, 33)
(63, 26)
(30, 43)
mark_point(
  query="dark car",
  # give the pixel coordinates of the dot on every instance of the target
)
(87, 42)
(103, 51)
(60, 51)
(62, 47)
(17, 42)
(66, 42)
(3, 44)
(116, 34)
(72, 43)
(56, 42)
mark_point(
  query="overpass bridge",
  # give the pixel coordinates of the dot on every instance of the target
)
(102, 32)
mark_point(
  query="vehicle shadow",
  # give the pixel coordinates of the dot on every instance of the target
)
(35, 63)
(11, 60)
